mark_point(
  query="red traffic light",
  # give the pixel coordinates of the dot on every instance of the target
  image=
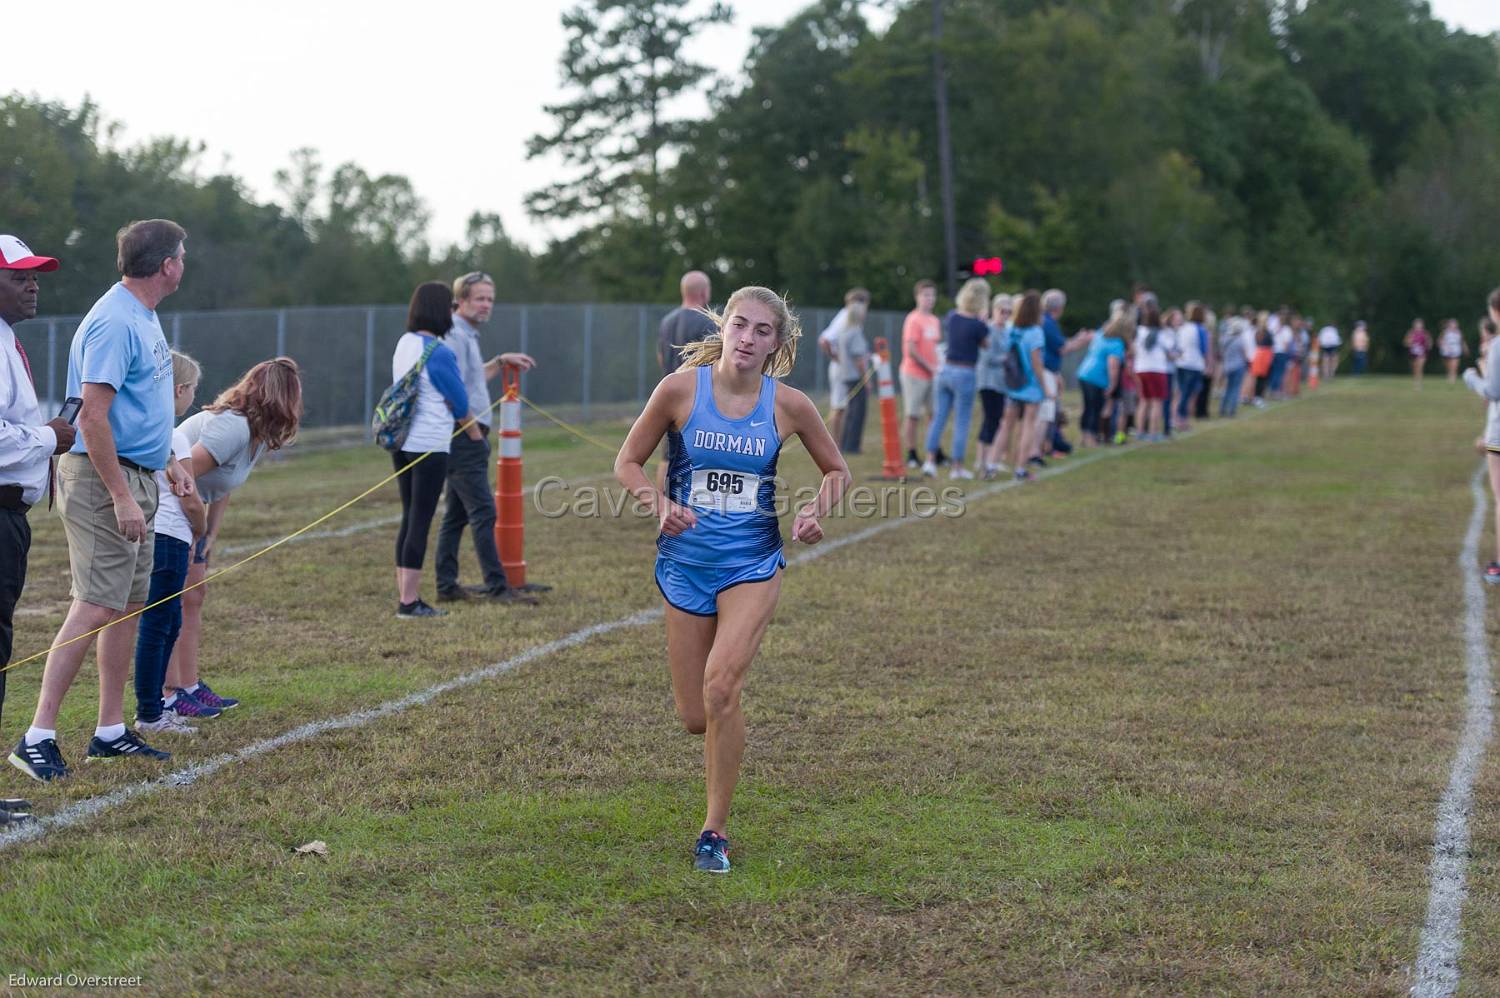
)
(985, 265)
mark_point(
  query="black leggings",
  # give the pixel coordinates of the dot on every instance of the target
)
(1261, 381)
(421, 488)
(994, 411)
(1093, 409)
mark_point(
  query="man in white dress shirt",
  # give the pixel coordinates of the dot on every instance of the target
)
(27, 444)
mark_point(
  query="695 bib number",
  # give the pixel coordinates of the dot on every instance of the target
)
(724, 491)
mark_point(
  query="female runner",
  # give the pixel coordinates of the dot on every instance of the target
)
(719, 557)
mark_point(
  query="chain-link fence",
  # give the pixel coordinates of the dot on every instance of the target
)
(591, 359)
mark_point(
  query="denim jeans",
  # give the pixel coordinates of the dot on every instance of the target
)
(471, 504)
(159, 625)
(1233, 382)
(1279, 364)
(1166, 406)
(1189, 383)
(955, 393)
(856, 396)
(1361, 358)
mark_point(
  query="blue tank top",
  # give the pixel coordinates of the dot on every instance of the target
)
(724, 470)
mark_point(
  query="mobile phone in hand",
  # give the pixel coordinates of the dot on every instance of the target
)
(70, 408)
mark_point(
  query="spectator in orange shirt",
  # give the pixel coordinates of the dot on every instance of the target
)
(920, 335)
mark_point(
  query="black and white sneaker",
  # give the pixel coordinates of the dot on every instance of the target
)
(15, 806)
(10, 819)
(127, 744)
(417, 610)
(42, 762)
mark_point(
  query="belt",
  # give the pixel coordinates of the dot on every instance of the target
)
(126, 462)
(10, 498)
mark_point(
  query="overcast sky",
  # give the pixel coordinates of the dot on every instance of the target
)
(351, 79)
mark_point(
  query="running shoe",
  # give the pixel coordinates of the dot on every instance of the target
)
(127, 744)
(1120, 438)
(711, 855)
(169, 723)
(188, 705)
(417, 611)
(929, 470)
(13, 819)
(1038, 461)
(960, 473)
(209, 698)
(15, 806)
(1492, 573)
(42, 762)
(1022, 475)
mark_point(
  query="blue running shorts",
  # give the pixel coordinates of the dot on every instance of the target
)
(695, 589)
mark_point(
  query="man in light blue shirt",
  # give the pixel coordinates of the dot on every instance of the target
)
(121, 366)
(471, 498)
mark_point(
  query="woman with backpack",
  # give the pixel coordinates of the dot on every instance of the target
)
(421, 456)
(1023, 383)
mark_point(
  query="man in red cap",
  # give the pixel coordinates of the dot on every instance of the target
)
(27, 445)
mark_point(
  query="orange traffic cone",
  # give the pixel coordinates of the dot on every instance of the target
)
(891, 468)
(510, 509)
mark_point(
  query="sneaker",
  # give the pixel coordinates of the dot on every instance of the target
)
(209, 698)
(452, 594)
(127, 744)
(169, 723)
(1492, 573)
(989, 473)
(1022, 475)
(413, 611)
(913, 464)
(1038, 461)
(188, 705)
(961, 473)
(10, 819)
(1120, 438)
(42, 762)
(15, 806)
(929, 470)
(711, 855)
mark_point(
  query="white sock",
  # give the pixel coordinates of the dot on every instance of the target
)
(169, 701)
(35, 736)
(195, 688)
(110, 732)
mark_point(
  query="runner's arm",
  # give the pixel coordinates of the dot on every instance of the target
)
(641, 442)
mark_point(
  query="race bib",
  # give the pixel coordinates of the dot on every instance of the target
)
(724, 491)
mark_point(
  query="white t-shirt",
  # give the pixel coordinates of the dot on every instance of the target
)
(432, 420)
(1151, 360)
(1282, 341)
(169, 517)
(829, 338)
(1451, 343)
(1329, 338)
(1190, 357)
(1169, 344)
(226, 437)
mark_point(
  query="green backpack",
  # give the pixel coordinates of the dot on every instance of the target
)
(393, 413)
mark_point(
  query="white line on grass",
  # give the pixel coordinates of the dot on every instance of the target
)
(82, 811)
(1437, 956)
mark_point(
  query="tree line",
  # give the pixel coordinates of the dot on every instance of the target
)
(1336, 155)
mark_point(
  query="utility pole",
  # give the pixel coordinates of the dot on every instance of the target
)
(945, 147)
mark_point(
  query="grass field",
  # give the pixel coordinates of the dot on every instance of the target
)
(1175, 721)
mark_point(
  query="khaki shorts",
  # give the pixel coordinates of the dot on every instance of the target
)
(838, 392)
(107, 569)
(916, 395)
(1048, 411)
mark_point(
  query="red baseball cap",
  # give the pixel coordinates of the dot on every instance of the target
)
(16, 255)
